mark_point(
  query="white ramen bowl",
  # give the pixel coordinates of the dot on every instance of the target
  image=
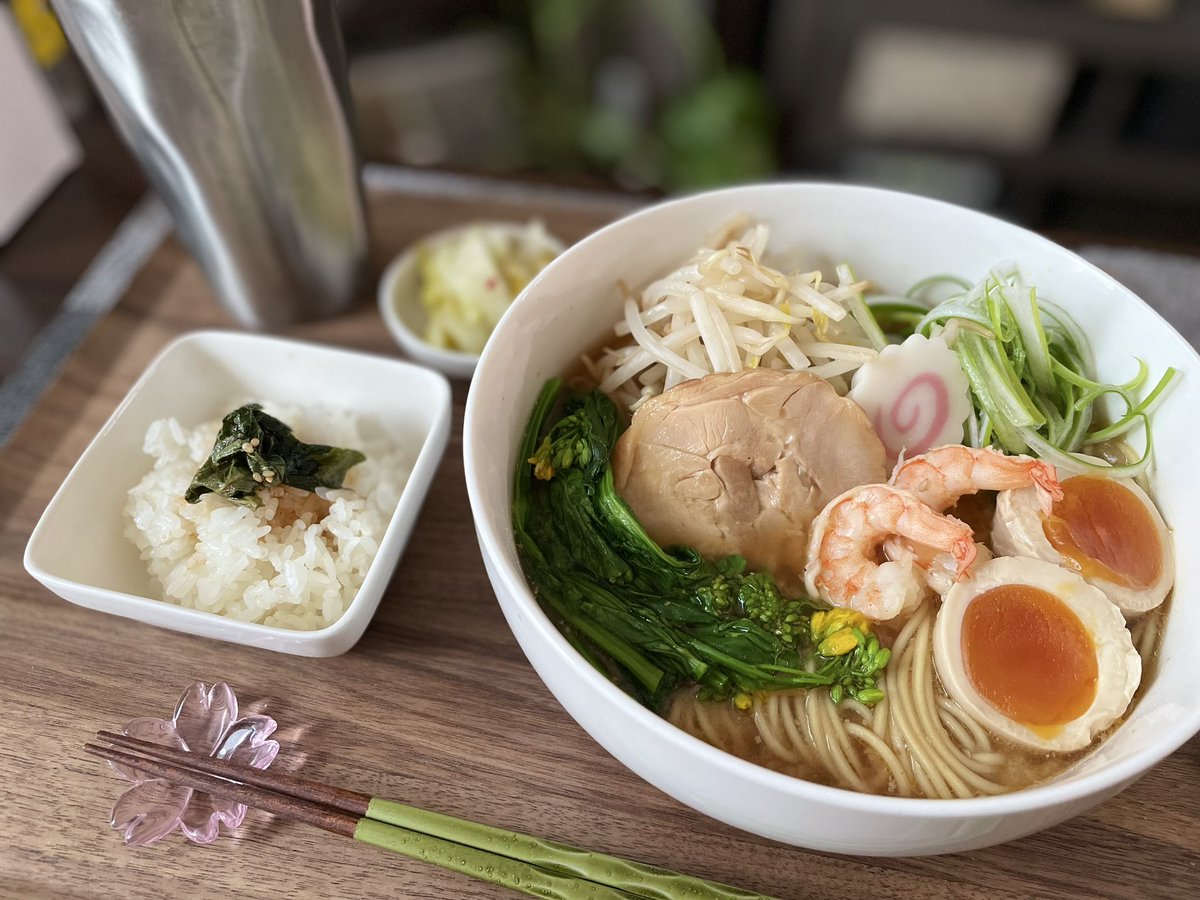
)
(79, 549)
(895, 240)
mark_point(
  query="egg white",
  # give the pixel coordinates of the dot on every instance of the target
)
(1017, 531)
(1118, 664)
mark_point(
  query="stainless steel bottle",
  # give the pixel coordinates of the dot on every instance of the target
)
(238, 112)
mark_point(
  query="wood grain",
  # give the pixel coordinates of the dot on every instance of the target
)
(435, 706)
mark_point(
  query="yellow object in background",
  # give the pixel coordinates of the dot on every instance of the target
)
(42, 32)
(37, 146)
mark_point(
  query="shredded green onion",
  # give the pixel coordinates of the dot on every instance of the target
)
(934, 281)
(896, 315)
(861, 312)
(1030, 368)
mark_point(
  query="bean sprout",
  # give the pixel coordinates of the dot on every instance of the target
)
(726, 310)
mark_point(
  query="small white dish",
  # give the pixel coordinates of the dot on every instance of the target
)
(79, 550)
(400, 302)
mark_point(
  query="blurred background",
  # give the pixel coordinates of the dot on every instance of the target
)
(1079, 118)
(1060, 114)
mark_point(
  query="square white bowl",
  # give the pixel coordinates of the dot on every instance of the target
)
(79, 550)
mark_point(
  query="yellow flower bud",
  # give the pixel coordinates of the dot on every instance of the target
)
(743, 701)
(857, 620)
(542, 462)
(838, 644)
(837, 619)
(817, 623)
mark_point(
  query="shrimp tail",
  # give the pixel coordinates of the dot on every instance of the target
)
(1050, 491)
(964, 552)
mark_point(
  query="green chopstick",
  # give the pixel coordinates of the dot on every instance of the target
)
(389, 824)
(531, 865)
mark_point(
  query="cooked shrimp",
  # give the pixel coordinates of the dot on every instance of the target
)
(939, 477)
(842, 552)
(940, 570)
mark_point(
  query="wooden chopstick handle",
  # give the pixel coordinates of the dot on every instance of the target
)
(353, 802)
(300, 810)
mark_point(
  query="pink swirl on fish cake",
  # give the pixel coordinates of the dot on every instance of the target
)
(905, 415)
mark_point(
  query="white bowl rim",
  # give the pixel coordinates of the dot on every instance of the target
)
(183, 614)
(1109, 778)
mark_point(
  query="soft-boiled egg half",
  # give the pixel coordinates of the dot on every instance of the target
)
(1035, 654)
(1106, 529)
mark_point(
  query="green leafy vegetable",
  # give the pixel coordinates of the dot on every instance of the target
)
(254, 450)
(652, 618)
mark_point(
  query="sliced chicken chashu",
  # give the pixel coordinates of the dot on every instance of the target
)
(743, 462)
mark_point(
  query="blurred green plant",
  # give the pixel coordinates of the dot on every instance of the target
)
(718, 133)
(641, 92)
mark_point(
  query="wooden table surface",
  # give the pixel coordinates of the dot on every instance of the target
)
(436, 704)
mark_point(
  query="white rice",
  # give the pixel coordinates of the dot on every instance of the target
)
(227, 559)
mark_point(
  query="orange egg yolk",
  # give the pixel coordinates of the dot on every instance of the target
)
(1028, 655)
(1102, 530)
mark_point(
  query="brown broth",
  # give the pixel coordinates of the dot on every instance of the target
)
(978, 511)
